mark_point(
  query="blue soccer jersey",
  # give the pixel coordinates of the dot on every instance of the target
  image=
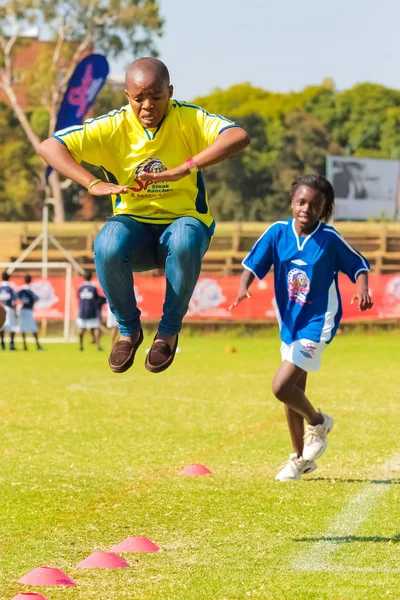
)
(8, 295)
(305, 277)
(27, 297)
(88, 301)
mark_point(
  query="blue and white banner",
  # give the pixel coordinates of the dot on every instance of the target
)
(85, 83)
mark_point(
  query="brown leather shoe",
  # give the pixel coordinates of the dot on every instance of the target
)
(160, 356)
(123, 354)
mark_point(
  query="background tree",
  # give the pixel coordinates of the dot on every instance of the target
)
(18, 182)
(293, 133)
(76, 28)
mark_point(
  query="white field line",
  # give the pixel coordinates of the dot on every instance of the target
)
(78, 387)
(352, 517)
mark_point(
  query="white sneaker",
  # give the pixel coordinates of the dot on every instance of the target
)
(294, 468)
(315, 438)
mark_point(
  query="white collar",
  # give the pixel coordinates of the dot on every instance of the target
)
(301, 246)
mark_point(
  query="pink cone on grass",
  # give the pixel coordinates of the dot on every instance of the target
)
(47, 576)
(196, 470)
(136, 544)
(103, 560)
(29, 596)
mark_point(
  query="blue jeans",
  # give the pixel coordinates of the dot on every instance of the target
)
(124, 246)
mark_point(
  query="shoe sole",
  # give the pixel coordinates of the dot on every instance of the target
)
(310, 469)
(124, 367)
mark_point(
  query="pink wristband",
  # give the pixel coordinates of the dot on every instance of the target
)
(193, 168)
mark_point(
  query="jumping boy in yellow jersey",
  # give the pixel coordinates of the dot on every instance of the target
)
(151, 153)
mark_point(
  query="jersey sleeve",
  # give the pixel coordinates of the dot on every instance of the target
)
(348, 259)
(201, 127)
(85, 142)
(261, 257)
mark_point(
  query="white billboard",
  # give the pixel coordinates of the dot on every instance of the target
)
(364, 187)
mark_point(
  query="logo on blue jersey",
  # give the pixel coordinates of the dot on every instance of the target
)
(298, 286)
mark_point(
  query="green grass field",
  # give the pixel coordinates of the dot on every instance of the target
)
(89, 458)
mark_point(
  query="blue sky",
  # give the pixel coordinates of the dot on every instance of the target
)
(279, 45)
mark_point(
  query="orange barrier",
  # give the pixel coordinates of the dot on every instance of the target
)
(213, 295)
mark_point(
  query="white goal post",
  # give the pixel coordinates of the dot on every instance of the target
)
(43, 267)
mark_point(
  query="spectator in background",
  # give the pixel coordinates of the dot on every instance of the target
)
(89, 301)
(101, 301)
(8, 298)
(27, 321)
(3, 315)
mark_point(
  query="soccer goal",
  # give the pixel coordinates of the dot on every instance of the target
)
(54, 291)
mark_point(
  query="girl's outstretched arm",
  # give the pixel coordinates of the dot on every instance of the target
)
(363, 295)
(245, 282)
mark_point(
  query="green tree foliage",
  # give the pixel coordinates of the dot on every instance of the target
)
(292, 134)
(20, 196)
(390, 134)
(362, 112)
(76, 28)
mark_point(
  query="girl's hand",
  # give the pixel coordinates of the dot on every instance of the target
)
(241, 296)
(168, 175)
(102, 188)
(364, 300)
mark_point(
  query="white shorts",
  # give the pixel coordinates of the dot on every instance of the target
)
(304, 354)
(88, 323)
(111, 320)
(27, 323)
(10, 324)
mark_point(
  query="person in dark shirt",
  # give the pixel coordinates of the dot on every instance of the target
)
(8, 298)
(101, 301)
(27, 321)
(89, 301)
(3, 315)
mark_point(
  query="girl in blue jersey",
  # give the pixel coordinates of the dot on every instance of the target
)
(307, 255)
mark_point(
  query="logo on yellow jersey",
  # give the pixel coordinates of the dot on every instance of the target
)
(150, 165)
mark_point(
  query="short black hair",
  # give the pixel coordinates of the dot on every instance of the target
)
(28, 279)
(151, 65)
(322, 185)
(88, 275)
(5, 276)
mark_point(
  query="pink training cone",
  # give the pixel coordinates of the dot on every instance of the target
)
(103, 560)
(47, 576)
(196, 470)
(29, 596)
(136, 544)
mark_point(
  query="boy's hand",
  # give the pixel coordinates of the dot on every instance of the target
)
(364, 300)
(241, 296)
(168, 175)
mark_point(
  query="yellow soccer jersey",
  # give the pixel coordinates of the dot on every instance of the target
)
(123, 148)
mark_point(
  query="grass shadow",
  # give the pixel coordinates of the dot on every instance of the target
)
(347, 539)
(340, 480)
